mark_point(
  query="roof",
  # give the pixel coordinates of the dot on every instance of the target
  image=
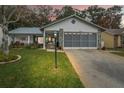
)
(57, 21)
(115, 31)
(27, 30)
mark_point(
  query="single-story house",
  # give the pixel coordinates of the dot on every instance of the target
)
(113, 38)
(26, 35)
(73, 32)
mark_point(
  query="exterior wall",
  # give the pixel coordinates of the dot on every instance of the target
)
(68, 26)
(108, 40)
(1, 36)
(119, 41)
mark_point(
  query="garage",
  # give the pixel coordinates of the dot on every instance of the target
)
(80, 40)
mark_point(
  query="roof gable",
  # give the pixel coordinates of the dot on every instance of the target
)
(75, 16)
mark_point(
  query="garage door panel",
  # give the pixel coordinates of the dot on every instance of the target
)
(76, 44)
(68, 44)
(92, 44)
(76, 40)
(83, 44)
(92, 40)
(67, 40)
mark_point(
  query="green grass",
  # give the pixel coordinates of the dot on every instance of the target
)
(36, 69)
(118, 53)
(116, 49)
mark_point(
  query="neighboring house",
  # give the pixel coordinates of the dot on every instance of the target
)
(73, 32)
(1, 36)
(113, 38)
(26, 35)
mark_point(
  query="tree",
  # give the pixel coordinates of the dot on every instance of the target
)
(65, 11)
(113, 14)
(108, 18)
(94, 13)
(45, 14)
(6, 18)
(28, 18)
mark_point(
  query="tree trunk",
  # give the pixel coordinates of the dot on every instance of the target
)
(5, 46)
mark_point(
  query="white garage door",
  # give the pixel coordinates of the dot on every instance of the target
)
(81, 40)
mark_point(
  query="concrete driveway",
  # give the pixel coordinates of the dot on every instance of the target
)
(97, 68)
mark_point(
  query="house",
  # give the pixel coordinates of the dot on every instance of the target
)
(26, 35)
(73, 32)
(1, 36)
(113, 38)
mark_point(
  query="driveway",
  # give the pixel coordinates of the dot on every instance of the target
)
(98, 68)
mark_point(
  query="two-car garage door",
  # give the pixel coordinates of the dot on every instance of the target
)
(80, 40)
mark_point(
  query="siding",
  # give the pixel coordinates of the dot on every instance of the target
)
(119, 41)
(108, 40)
(68, 26)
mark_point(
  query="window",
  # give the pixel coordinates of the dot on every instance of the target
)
(73, 21)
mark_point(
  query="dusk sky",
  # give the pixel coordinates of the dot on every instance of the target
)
(80, 7)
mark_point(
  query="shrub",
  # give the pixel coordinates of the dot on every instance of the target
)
(33, 46)
(17, 44)
(103, 48)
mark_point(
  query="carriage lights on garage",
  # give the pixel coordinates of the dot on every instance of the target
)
(55, 36)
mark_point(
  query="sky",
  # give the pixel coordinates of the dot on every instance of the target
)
(80, 7)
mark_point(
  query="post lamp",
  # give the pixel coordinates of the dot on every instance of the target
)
(55, 36)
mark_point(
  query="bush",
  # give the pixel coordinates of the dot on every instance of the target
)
(4, 58)
(103, 48)
(17, 44)
(33, 46)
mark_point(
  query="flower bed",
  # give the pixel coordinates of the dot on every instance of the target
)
(9, 59)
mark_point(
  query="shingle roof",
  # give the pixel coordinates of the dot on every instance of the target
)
(115, 31)
(27, 30)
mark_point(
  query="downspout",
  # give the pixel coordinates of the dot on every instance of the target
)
(99, 39)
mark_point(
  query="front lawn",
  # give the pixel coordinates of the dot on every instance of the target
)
(121, 53)
(117, 51)
(36, 69)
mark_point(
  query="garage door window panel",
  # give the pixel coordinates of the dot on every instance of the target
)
(92, 40)
(68, 40)
(83, 40)
(76, 40)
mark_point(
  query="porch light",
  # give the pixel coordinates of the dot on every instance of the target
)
(55, 36)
